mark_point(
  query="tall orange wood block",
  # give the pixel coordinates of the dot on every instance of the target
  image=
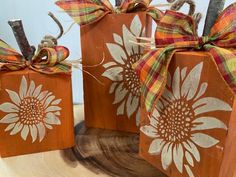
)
(192, 130)
(115, 102)
(35, 112)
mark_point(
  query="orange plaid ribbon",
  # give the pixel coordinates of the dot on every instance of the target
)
(46, 60)
(89, 11)
(176, 31)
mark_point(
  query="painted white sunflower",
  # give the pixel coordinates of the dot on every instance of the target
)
(31, 111)
(126, 85)
(177, 123)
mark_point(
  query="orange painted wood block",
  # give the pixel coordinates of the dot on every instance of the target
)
(36, 112)
(114, 104)
(192, 130)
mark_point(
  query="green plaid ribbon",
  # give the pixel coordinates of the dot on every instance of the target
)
(46, 60)
(89, 11)
(176, 31)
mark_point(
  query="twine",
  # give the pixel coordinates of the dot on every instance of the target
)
(179, 3)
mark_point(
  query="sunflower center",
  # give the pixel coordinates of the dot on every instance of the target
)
(31, 111)
(131, 79)
(175, 121)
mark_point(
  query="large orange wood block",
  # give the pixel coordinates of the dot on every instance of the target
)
(115, 102)
(192, 130)
(35, 112)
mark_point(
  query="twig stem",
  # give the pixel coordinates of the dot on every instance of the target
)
(18, 30)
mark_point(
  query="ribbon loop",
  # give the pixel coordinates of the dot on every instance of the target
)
(89, 11)
(47, 60)
(176, 31)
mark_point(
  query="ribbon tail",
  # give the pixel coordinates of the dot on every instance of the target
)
(225, 60)
(152, 70)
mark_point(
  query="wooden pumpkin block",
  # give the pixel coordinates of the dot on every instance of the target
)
(35, 112)
(191, 132)
(114, 103)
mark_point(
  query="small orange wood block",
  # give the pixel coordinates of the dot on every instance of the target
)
(191, 132)
(36, 112)
(114, 103)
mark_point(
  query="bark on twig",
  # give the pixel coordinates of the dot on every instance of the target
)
(214, 9)
(118, 3)
(18, 30)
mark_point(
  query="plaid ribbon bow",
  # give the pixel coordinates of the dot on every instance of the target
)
(176, 31)
(47, 60)
(89, 11)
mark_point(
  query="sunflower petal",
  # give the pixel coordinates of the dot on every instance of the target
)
(109, 64)
(31, 89)
(117, 39)
(156, 146)
(183, 73)
(136, 26)
(203, 140)
(48, 126)
(117, 53)
(132, 104)
(41, 131)
(131, 48)
(121, 109)
(178, 155)
(33, 132)
(149, 131)
(202, 90)
(191, 82)
(192, 149)
(206, 123)
(52, 108)
(168, 95)
(25, 132)
(9, 107)
(10, 118)
(189, 171)
(114, 73)
(48, 101)
(166, 155)
(153, 121)
(209, 104)
(14, 97)
(42, 95)
(17, 128)
(37, 91)
(23, 87)
(56, 102)
(120, 93)
(9, 127)
(189, 158)
(155, 113)
(51, 118)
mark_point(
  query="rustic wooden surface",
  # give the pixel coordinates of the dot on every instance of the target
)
(100, 110)
(102, 154)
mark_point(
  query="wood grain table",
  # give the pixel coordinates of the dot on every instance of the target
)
(97, 152)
